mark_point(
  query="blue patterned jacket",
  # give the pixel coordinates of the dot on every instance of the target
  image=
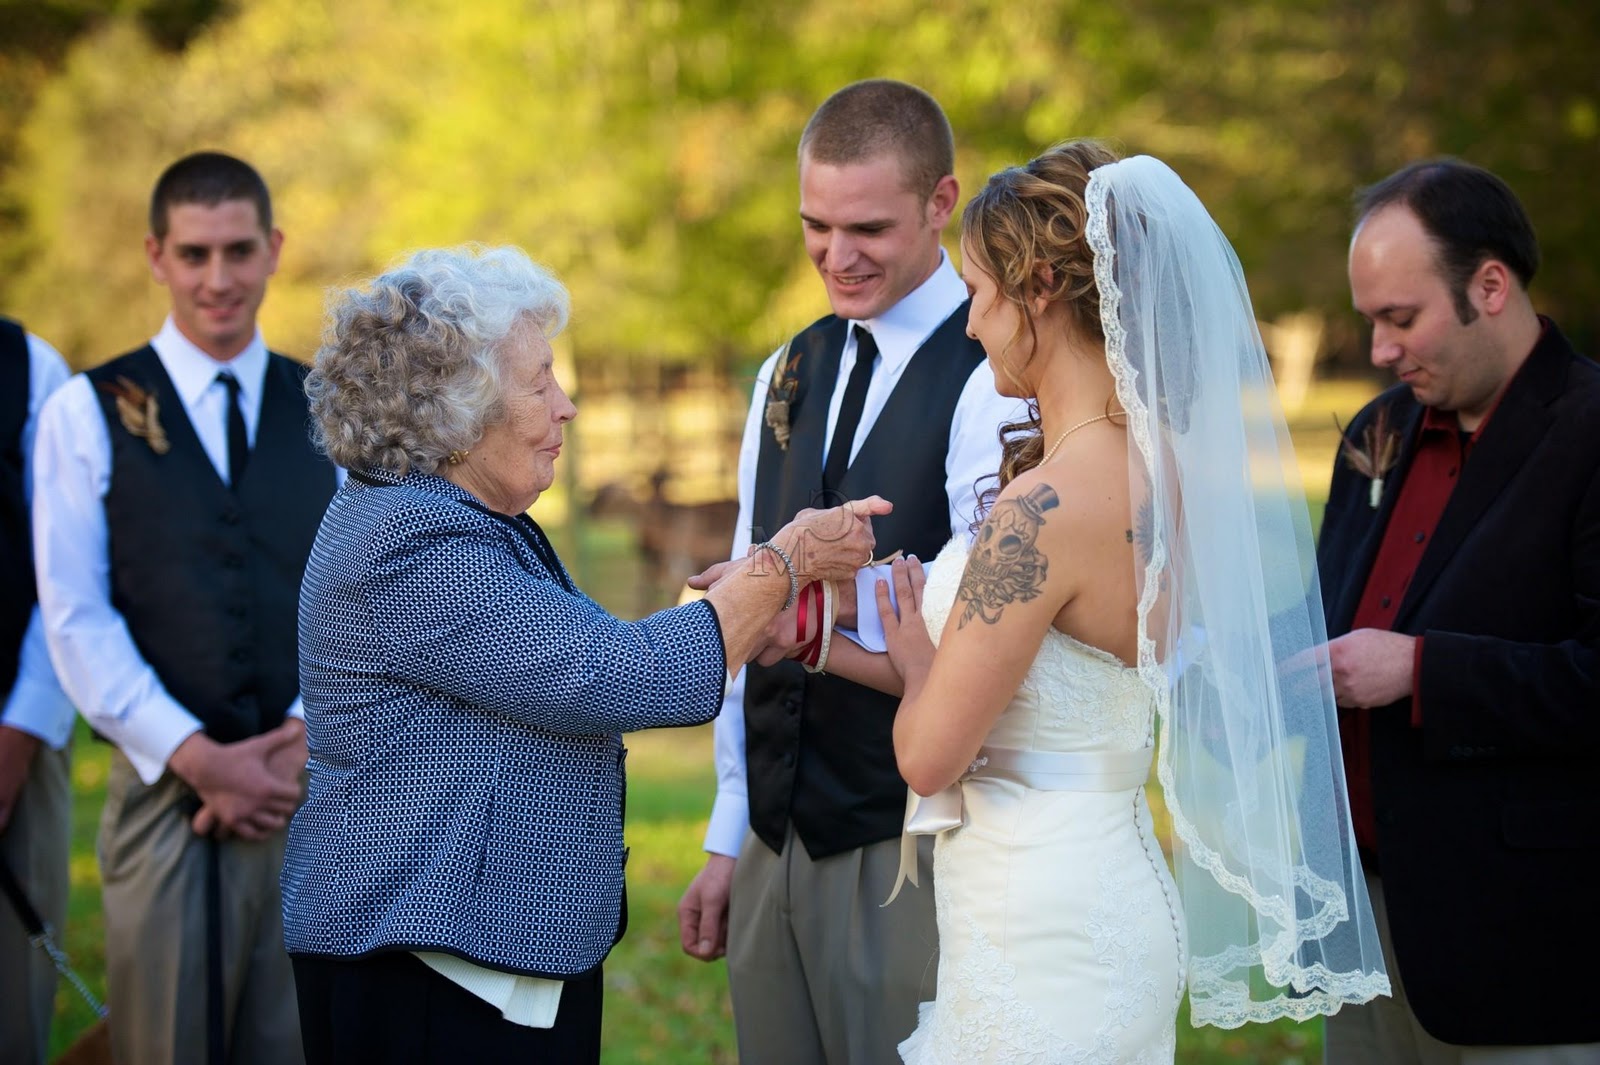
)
(463, 710)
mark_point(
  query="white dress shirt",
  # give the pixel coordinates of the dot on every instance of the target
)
(94, 654)
(531, 1001)
(36, 704)
(973, 453)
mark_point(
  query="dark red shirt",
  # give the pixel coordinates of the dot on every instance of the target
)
(1442, 450)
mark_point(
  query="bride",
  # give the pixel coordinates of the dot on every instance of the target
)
(1145, 563)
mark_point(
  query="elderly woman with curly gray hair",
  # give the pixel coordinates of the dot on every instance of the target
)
(454, 879)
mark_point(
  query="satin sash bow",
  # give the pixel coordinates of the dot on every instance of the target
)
(929, 815)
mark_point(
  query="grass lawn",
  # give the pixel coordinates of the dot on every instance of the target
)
(662, 1006)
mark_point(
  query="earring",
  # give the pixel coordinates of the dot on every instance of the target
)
(457, 457)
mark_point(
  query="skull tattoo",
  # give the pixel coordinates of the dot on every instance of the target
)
(1005, 566)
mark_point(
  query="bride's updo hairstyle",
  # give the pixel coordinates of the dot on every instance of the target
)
(1025, 228)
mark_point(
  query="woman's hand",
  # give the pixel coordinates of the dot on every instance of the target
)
(906, 633)
(824, 544)
(830, 545)
(819, 544)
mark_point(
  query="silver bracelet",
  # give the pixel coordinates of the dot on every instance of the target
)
(788, 564)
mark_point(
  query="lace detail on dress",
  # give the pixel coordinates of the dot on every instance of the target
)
(1081, 686)
(939, 594)
(996, 1026)
(979, 1018)
(1073, 688)
(986, 1021)
(1122, 942)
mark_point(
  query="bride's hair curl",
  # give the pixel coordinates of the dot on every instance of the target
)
(1026, 229)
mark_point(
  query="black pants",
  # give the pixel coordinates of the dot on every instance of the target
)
(391, 1008)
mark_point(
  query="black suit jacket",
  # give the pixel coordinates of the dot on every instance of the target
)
(1487, 814)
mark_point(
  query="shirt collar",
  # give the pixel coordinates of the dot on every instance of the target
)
(901, 329)
(193, 371)
(1435, 420)
(378, 477)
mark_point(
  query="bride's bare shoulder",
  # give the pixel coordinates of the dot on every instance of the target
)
(1067, 501)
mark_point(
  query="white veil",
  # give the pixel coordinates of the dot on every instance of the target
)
(1230, 618)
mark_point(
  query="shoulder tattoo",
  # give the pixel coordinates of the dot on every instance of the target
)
(1143, 532)
(1005, 565)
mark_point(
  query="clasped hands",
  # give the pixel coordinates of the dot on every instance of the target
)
(795, 629)
(17, 751)
(247, 789)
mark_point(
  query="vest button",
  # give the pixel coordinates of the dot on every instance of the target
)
(788, 759)
(231, 516)
(233, 561)
(240, 654)
(237, 610)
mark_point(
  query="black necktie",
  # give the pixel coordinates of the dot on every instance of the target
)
(855, 398)
(238, 442)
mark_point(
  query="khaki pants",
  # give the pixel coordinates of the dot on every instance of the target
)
(819, 969)
(1385, 1030)
(153, 869)
(34, 847)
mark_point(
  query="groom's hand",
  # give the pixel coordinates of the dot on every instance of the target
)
(17, 749)
(703, 910)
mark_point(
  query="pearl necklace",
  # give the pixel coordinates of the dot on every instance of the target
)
(1048, 455)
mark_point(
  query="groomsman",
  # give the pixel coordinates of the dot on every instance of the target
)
(1460, 561)
(886, 395)
(177, 497)
(35, 716)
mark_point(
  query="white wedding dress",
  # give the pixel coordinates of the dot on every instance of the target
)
(1061, 939)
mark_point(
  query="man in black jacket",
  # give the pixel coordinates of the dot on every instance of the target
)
(1460, 561)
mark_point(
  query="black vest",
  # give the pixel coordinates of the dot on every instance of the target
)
(820, 749)
(208, 576)
(17, 591)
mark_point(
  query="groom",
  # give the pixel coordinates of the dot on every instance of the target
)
(1462, 586)
(886, 395)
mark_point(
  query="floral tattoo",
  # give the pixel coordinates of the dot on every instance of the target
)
(1005, 565)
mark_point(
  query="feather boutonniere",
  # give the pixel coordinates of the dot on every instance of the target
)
(1377, 454)
(139, 413)
(780, 393)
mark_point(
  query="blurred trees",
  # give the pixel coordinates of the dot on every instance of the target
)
(34, 38)
(644, 149)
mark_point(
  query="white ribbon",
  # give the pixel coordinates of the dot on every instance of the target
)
(929, 815)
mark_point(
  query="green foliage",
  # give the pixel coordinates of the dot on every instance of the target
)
(646, 150)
